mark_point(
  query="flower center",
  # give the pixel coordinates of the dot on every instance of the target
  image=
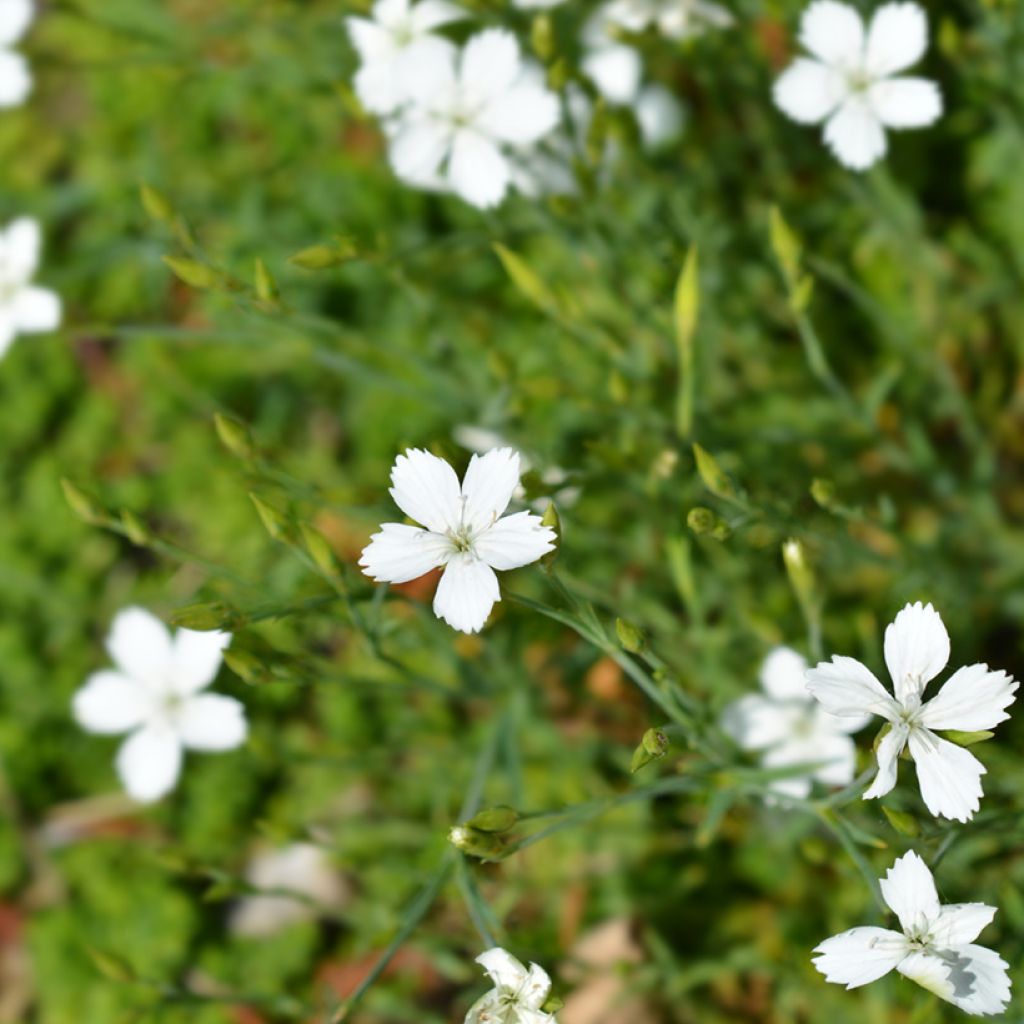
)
(858, 80)
(462, 540)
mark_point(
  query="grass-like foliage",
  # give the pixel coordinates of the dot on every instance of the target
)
(761, 399)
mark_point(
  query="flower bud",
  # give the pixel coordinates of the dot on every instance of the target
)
(274, 522)
(701, 520)
(631, 638)
(484, 845)
(156, 204)
(324, 256)
(235, 436)
(83, 505)
(653, 747)
(135, 530)
(194, 274)
(208, 615)
(542, 38)
(245, 665)
(266, 286)
(823, 492)
(494, 819)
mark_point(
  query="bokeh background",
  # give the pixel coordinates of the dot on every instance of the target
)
(694, 907)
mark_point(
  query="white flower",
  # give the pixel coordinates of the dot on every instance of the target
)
(659, 115)
(15, 78)
(675, 19)
(155, 693)
(791, 728)
(518, 993)
(302, 869)
(935, 947)
(469, 111)
(398, 49)
(971, 700)
(851, 84)
(464, 532)
(534, 4)
(24, 308)
(615, 68)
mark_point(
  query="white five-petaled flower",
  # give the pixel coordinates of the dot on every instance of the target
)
(973, 699)
(472, 110)
(464, 533)
(15, 77)
(674, 19)
(24, 308)
(852, 83)
(791, 728)
(518, 993)
(155, 693)
(935, 947)
(398, 49)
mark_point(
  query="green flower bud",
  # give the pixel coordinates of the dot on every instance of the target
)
(701, 520)
(494, 819)
(631, 638)
(235, 436)
(484, 845)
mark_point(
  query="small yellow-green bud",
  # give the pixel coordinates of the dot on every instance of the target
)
(156, 204)
(235, 436)
(542, 38)
(266, 286)
(245, 665)
(494, 819)
(701, 520)
(801, 575)
(274, 522)
(553, 1004)
(319, 550)
(208, 615)
(653, 746)
(325, 255)
(484, 845)
(823, 492)
(713, 475)
(134, 528)
(82, 504)
(194, 274)
(630, 637)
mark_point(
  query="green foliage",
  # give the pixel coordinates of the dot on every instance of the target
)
(254, 333)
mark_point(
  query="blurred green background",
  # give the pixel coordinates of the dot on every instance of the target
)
(698, 907)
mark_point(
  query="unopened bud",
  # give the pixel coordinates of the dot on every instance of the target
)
(542, 38)
(266, 286)
(714, 477)
(630, 637)
(653, 746)
(245, 665)
(801, 575)
(321, 257)
(551, 519)
(82, 504)
(235, 436)
(194, 274)
(156, 204)
(823, 492)
(208, 615)
(494, 819)
(701, 520)
(274, 522)
(484, 845)
(135, 530)
(319, 550)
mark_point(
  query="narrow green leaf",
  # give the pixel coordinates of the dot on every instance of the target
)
(525, 279)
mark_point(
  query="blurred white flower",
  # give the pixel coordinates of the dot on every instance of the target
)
(15, 77)
(470, 110)
(24, 308)
(398, 48)
(518, 993)
(935, 947)
(791, 728)
(302, 869)
(155, 693)
(971, 700)
(533, 4)
(675, 19)
(659, 115)
(464, 533)
(851, 83)
(615, 68)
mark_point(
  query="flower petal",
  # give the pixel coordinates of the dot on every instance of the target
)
(515, 541)
(972, 699)
(533, 994)
(756, 723)
(906, 102)
(477, 171)
(149, 763)
(981, 984)
(466, 593)
(196, 658)
(957, 924)
(783, 674)
(110, 703)
(897, 38)
(427, 490)
(855, 135)
(808, 91)
(889, 749)
(909, 890)
(15, 18)
(431, 14)
(35, 310)
(522, 115)
(950, 777)
(20, 245)
(15, 79)
(371, 42)
(488, 486)
(416, 153)
(490, 64)
(860, 956)
(916, 649)
(930, 972)
(833, 32)
(140, 645)
(845, 687)
(212, 722)
(503, 968)
(616, 71)
(400, 553)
